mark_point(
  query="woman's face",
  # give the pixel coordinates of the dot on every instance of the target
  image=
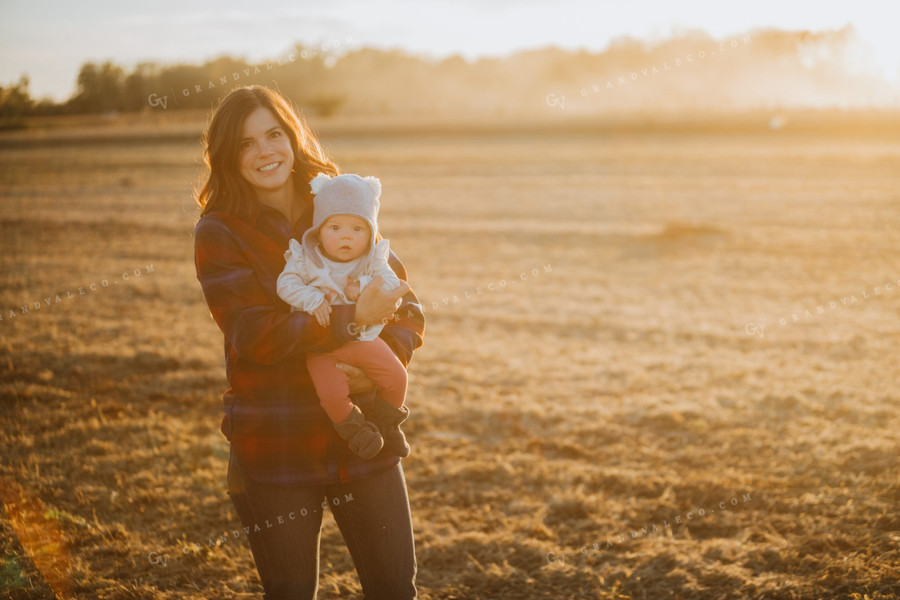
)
(344, 237)
(265, 157)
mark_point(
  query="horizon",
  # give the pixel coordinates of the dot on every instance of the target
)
(170, 32)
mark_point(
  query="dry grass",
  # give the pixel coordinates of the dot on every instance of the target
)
(588, 378)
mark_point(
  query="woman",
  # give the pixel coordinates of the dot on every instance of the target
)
(287, 462)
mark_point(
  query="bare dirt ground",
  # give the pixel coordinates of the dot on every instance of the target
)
(657, 365)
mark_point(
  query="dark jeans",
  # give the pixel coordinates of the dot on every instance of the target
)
(285, 528)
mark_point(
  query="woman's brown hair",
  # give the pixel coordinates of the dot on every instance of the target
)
(225, 189)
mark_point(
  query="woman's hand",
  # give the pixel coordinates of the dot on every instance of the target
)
(377, 306)
(357, 379)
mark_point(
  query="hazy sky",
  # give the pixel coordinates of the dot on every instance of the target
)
(50, 39)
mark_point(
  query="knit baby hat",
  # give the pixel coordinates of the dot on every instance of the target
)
(342, 195)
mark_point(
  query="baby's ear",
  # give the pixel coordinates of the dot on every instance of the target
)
(375, 184)
(318, 181)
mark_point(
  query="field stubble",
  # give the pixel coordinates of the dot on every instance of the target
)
(588, 381)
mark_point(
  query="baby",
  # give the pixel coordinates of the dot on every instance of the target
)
(337, 259)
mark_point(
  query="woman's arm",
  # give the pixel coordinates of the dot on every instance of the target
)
(404, 334)
(386, 280)
(380, 265)
(255, 326)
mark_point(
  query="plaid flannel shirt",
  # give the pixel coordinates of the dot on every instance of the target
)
(278, 431)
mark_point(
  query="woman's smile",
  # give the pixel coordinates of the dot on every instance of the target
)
(269, 167)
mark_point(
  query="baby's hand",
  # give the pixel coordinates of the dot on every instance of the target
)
(322, 312)
(352, 291)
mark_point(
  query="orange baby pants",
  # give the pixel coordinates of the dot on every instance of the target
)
(375, 358)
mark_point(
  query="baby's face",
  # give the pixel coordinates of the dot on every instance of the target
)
(344, 237)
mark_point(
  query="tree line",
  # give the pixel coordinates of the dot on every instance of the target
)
(106, 87)
(762, 68)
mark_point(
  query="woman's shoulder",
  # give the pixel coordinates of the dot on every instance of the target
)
(213, 221)
(209, 229)
(220, 223)
(220, 216)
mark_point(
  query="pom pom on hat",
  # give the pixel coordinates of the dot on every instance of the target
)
(375, 184)
(321, 179)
